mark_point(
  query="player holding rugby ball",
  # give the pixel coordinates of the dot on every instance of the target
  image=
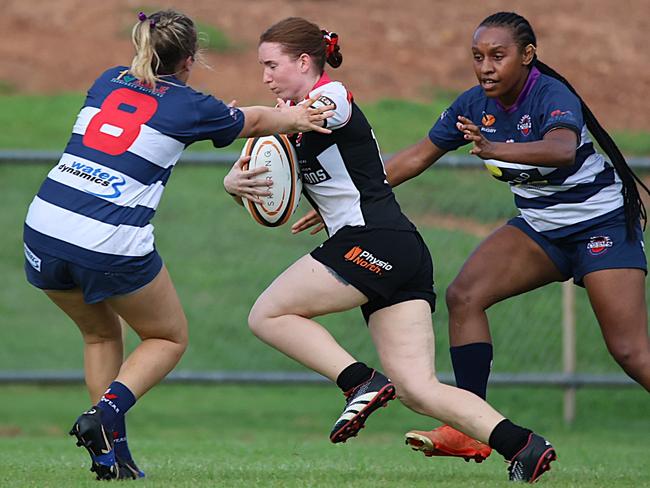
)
(374, 258)
(88, 239)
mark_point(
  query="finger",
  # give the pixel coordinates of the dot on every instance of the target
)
(465, 120)
(318, 128)
(233, 103)
(317, 229)
(281, 103)
(251, 173)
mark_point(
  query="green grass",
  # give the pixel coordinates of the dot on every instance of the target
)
(196, 436)
(206, 241)
(44, 122)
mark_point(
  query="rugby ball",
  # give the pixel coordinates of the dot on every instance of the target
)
(277, 154)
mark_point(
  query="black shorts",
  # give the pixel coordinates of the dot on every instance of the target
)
(388, 266)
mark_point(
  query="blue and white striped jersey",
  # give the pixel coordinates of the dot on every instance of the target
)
(554, 201)
(95, 206)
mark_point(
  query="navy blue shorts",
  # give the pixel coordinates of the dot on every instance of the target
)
(604, 246)
(52, 273)
(387, 266)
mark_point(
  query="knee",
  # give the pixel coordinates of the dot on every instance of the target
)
(414, 392)
(629, 354)
(102, 335)
(457, 296)
(258, 319)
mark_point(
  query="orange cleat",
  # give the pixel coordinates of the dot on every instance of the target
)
(447, 441)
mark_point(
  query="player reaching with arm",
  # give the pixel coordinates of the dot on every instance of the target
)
(374, 259)
(88, 239)
(579, 213)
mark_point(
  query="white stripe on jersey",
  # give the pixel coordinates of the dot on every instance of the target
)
(592, 166)
(338, 199)
(333, 92)
(122, 240)
(121, 189)
(565, 214)
(154, 146)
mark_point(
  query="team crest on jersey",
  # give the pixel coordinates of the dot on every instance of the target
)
(444, 114)
(599, 245)
(525, 124)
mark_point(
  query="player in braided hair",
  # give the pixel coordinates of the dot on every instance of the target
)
(374, 259)
(88, 239)
(579, 213)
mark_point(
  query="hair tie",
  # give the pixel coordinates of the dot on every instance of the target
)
(142, 17)
(331, 42)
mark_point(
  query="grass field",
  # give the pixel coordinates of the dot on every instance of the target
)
(205, 240)
(200, 436)
(195, 436)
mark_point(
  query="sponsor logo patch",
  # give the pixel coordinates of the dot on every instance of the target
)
(32, 258)
(599, 245)
(98, 175)
(488, 119)
(366, 260)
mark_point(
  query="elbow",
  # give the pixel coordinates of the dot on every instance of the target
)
(567, 157)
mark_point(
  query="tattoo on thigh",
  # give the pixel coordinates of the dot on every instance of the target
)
(338, 277)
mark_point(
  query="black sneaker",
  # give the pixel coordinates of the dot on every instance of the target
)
(532, 461)
(128, 470)
(361, 402)
(90, 433)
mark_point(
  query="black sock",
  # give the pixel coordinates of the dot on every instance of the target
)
(472, 363)
(353, 375)
(508, 439)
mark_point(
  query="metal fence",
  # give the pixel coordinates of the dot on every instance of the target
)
(556, 358)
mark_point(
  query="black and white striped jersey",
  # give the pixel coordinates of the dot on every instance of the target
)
(342, 173)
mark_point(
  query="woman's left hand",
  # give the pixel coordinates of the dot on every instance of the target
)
(307, 118)
(483, 148)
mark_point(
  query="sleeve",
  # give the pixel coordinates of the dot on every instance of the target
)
(334, 94)
(216, 121)
(560, 108)
(444, 133)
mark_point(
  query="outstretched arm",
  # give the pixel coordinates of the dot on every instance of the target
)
(261, 121)
(556, 149)
(412, 161)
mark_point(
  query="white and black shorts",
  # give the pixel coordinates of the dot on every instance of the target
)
(388, 266)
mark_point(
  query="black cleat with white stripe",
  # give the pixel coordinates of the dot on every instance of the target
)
(361, 402)
(532, 461)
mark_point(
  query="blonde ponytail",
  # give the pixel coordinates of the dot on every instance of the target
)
(162, 41)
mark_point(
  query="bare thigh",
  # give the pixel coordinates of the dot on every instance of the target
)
(308, 289)
(505, 264)
(96, 321)
(154, 311)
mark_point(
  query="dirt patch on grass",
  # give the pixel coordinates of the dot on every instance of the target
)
(405, 49)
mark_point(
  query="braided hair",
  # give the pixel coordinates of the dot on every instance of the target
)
(524, 35)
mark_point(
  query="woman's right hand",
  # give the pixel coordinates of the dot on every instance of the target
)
(243, 182)
(310, 219)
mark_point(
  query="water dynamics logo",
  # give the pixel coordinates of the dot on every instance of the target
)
(367, 261)
(95, 174)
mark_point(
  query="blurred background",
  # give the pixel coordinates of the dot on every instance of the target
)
(404, 62)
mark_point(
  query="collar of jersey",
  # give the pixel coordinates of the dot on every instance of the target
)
(533, 76)
(323, 80)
